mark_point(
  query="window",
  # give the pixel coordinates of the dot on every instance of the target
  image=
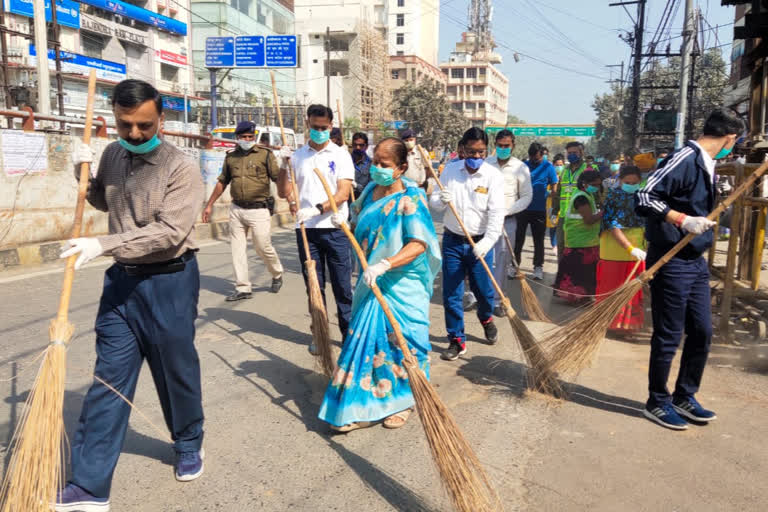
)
(451, 90)
(457, 73)
(400, 39)
(478, 89)
(400, 20)
(482, 72)
(469, 105)
(169, 73)
(471, 72)
(400, 53)
(457, 107)
(395, 74)
(401, 3)
(481, 106)
(92, 45)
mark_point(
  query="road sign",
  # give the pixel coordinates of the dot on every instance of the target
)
(546, 130)
(220, 52)
(282, 52)
(249, 51)
(397, 125)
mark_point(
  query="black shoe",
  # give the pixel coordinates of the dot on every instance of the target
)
(491, 332)
(455, 350)
(499, 311)
(239, 296)
(277, 283)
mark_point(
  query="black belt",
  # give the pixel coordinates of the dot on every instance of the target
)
(475, 238)
(251, 205)
(162, 267)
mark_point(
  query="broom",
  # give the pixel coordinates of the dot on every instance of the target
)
(460, 470)
(321, 332)
(574, 345)
(35, 470)
(530, 301)
(541, 377)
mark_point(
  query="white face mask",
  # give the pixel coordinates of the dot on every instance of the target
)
(246, 145)
(410, 144)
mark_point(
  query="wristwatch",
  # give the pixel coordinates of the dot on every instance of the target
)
(319, 206)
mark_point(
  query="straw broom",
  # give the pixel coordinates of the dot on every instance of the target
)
(574, 345)
(530, 301)
(35, 470)
(460, 470)
(321, 332)
(541, 377)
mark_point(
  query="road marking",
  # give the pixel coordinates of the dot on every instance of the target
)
(101, 263)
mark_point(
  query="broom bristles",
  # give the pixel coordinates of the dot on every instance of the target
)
(321, 332)
(531, 302)
(460, 470)
(573, 346)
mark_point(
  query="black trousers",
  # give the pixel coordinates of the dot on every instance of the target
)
(538, 223)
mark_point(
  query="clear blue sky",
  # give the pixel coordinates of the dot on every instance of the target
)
(542, 93)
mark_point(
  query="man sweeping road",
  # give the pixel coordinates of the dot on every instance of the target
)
(153, 193)
(677, 198)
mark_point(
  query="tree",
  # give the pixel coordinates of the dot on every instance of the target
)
(429, 114)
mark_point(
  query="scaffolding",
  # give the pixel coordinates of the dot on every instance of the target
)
(369, 69)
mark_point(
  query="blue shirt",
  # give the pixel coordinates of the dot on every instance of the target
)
(541, 176)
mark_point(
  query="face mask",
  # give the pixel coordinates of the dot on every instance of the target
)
(658, 161)
(723, 153)
(384, 177)
(630, 189)
(358, 153)
(559, 168)
(144, 147)
(592, 189)
(474, 163)
(319, 136)
(503, 153)
(410, 144)
(246, 145)
(545, 158)
(615, 167)
(573, 157)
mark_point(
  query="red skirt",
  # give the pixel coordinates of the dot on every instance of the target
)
(611, 275)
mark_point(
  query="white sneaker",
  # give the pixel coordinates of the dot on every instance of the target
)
(538, 273)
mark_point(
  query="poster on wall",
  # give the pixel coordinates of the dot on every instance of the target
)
(24, 153)
(211, 162)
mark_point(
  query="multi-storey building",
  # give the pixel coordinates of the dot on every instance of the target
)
(414, 31)
(148, 40)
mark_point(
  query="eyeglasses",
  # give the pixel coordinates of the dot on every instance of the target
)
(474, 152)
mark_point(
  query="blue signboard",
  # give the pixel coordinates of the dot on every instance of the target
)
(140, 14)
(82, 65)
(67, 11)
(249, 51)
(282, 52)
(173, 103)
(397, 125)
(220, 52)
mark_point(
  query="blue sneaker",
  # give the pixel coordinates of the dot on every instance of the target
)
(690, 408)
(76, 499)
(189, 465)
(665, 416)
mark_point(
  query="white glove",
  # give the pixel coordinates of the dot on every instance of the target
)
(638, 254)
(286, 152)
(82, 153)
(697, 225)
(87, 248)
(337, 219)
(375, 270)
(482, 247)
(446, 196)
(305, 214)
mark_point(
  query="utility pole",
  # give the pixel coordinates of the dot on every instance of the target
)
(637, 63)
(59, 85)
(328, 66)
(685, 74)
(41, 46)
(213, 99)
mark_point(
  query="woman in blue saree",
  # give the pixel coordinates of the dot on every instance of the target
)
(395, 230)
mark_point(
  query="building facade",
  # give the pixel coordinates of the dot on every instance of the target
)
(145, 40)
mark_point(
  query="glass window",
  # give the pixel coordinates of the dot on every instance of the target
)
(469, 105)
(169, 73)
(478, 89)
(451, 90)
(400, 20)
(395, 74)
(401, 3)
(400, 53)
(471, 72)
(482, 71)
(400, 39)
(92, 45)
(457, 73)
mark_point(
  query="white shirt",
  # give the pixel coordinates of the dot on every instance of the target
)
(416, 170)
(335, 164)
(478, 198)
(518, 191)
(709, 162)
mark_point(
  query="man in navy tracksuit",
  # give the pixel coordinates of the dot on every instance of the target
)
(677, 198)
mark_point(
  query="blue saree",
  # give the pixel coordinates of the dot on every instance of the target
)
(370, 382)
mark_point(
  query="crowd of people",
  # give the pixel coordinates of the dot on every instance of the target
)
(604, 226)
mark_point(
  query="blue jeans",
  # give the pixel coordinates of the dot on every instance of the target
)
(330, 247)
(140, 317)
(680, 302)
(459, 261)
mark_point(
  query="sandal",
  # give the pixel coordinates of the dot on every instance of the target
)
(398, 419)
(349, 427)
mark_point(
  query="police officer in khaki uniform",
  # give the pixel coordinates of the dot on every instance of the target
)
(249, 169)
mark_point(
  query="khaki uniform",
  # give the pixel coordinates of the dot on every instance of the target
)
(248, 175)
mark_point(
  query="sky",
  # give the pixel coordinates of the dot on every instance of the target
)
(562, 90)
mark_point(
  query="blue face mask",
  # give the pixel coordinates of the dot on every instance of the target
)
(545, 158)
(630, 189)
(723, 153)
(559, 168)
(592, 189)
(573, 157)
(503, 153)
(474, 163)
(143, 148)
(382, 176)
(319, 136)
(615, 167)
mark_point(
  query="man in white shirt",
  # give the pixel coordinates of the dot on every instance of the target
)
(416, 171)
(476, 189)
(517, 196)
(327, 245)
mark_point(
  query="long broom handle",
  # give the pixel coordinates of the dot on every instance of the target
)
(740, 190)
(303, 230)
(374, 287)
(82, 190)
(341, 120)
